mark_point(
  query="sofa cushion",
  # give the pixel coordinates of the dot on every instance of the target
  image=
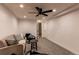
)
(2, 43)
(18, 37)
(11, 40)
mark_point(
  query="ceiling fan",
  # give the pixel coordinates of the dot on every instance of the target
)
(41, 12)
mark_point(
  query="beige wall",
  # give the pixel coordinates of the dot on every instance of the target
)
(64, 31)
(27, 26)
(8, 23)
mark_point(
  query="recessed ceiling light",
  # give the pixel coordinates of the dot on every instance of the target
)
(54, 10)
(25, 16)
(21, 6)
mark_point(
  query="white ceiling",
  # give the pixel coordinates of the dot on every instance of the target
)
(20, 12)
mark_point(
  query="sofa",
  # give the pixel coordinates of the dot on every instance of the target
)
(9, 46)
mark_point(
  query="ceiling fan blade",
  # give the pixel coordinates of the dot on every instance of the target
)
(37, 8)
(47, 11)
(44, 14)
